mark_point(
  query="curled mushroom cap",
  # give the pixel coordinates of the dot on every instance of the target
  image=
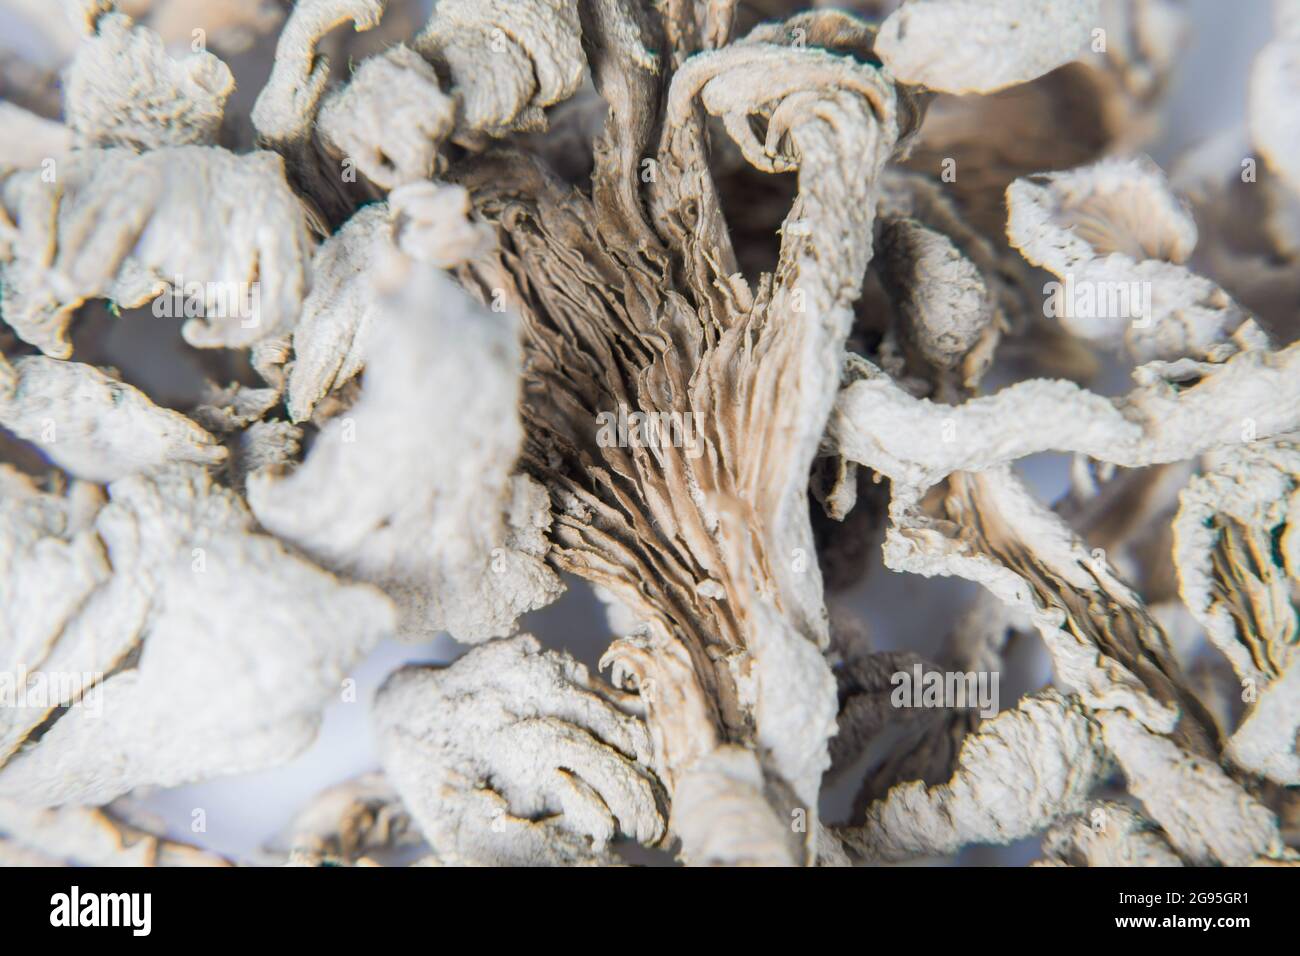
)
(96, 427)
(207, 647)
(1048, 732)
(514, 756)
(1116, 236)
(105, 229)
(391, 119)
(122, 89)
(1062, 220)
(287, 105)
(1237, 551)
(974, 46)
(507, 60)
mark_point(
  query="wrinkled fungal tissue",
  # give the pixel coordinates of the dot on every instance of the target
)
(334, 323)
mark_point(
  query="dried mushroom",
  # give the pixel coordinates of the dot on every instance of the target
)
(102, 228)
(960, 46)
(513, 755)
(696, 303)
(163, 595)
(124, 90)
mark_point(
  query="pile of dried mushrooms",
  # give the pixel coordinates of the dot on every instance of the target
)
(700, 303)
